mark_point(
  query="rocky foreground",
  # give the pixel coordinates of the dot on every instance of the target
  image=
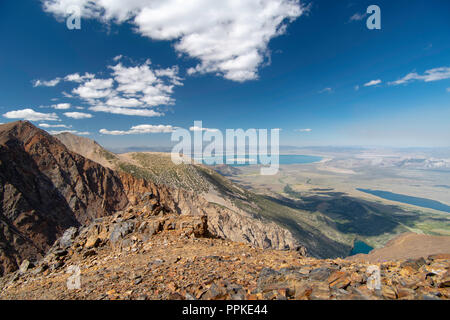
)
(150, 253)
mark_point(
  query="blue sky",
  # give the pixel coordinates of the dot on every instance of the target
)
(312, 69)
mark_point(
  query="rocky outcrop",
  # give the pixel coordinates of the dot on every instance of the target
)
(45, 189)
(223, 222)
(143, 253)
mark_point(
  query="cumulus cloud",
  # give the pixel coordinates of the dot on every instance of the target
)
(140, 129)
(43, 83)
(229, 38)
(61, 106)
(78, 115)
(31, 115)
(152, 86)
(372, 83)
(127, 111)
(82, 133)
(75, 77)
(435, 74)
(46, 125)
(129, 90)
(94, 89)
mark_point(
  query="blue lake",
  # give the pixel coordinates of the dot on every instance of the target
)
(360, 247)
(420, 202)
(247, 160)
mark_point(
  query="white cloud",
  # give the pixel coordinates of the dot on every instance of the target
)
(358, 16)
(117, 58)
(124, 102)
(127, 111)
(304, 130)
(153, 87)
(82, 133)
(196, 128)
(78, 115)
(435, 74)
(140, 129)
(129, 90)
(229, 38)
(46, 125)
(356, 87)
(448, 89)
(75, 77)
(43, 83)
(61, 106)
(31, 115)
(372, 83)
(94, 89)
(327, 90)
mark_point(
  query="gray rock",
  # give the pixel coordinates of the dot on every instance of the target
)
(68, 237)
(320, 274)
(121, 230)
(24, 266)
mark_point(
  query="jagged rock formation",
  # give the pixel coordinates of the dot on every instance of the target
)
(44, 189)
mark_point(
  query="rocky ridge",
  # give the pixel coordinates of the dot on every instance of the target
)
(150, 253)
(46, 188)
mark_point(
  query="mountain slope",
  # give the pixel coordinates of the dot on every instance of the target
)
(44, 189)
(154, 255)
(234, 212)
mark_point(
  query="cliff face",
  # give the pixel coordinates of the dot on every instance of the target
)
(222, 222)
(44, 189)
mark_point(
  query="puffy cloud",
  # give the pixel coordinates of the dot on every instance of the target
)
(127, 111)
(123, 102)
(117, 58)
(372, 83)
(140, 129)
(83, 133)
(46, 125)
(227, 37)
(30, 114)
(61, 106)
(154, 87)
(128, 91)
(435, 74)
(43, 83)
(75, 77)
(94, 89)
(78, 115)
